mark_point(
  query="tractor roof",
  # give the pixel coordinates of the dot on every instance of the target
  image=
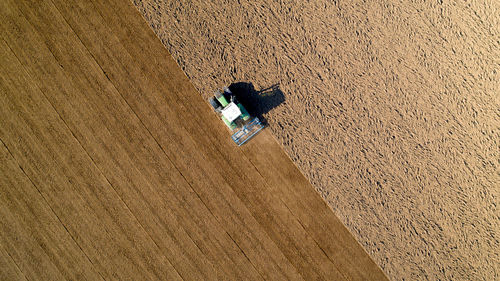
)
(231, 112)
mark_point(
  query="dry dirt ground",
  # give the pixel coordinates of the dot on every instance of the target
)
(112, 167)
(391, 109)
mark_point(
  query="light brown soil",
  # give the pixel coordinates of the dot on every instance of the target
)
(391, 110)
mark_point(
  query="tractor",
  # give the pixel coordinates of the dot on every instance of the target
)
(235, 116)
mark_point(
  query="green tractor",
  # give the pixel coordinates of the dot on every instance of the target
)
(235, 116)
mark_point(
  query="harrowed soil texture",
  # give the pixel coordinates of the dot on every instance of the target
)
(391, 109)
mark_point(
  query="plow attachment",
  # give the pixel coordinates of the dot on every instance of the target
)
(246, 132)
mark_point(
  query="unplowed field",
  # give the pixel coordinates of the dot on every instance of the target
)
(390, 108)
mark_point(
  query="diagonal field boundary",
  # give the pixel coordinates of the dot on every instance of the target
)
(127, 174)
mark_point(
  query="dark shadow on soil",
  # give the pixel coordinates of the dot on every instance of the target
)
(256, 102)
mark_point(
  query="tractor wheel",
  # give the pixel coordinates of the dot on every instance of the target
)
(214, 103)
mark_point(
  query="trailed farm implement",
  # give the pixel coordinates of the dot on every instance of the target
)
(235, 116)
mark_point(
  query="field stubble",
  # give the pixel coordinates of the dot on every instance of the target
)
(391, 110)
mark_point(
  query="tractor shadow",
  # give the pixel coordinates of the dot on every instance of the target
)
(257, 103)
